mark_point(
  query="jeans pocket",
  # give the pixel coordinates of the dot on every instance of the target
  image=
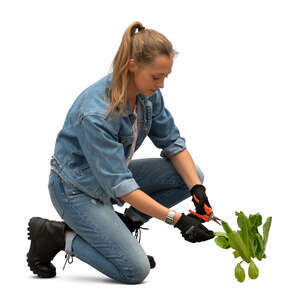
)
(70, 190)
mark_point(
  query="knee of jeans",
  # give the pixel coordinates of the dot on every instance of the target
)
(140, 270)
(200, 173)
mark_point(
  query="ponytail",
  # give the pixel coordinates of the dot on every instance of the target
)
(143, 46)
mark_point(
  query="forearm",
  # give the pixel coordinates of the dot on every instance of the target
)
(147, 205)
(184, 165)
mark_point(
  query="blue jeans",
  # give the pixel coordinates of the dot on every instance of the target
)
(100, 237)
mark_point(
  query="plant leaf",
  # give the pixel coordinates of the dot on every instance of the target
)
(244, 224)
(226, 227)
(266, 229)
(239, 273)
(222, 242)
(255, 220)
(237, 243)
(253, 271)
(217, 233)
(236, 253)
(259, 251)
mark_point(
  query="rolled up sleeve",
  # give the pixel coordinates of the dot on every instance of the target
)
(164, 133)
(174, 148)
(105, 155)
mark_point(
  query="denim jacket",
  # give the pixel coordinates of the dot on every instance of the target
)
(90, 152)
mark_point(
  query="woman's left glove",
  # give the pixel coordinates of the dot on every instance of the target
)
(202, 205)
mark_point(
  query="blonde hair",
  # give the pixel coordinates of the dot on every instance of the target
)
(143, 46)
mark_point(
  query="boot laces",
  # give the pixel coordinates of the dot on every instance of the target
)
(69, 259)
(138, 233)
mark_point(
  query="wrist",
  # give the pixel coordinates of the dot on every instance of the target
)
(197, 187)
(177, 216)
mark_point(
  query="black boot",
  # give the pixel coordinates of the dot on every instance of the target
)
(47, 239)
(135, 226)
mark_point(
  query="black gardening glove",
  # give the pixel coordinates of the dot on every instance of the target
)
(203, 207)
(192, 230)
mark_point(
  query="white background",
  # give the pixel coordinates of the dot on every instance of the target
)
(233, 93)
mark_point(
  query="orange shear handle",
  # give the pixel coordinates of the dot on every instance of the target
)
(207, 209)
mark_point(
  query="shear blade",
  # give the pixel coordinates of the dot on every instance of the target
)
(217, 220)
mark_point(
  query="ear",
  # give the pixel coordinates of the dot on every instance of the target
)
(132, 66)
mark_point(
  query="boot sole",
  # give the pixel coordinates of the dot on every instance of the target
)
(31, 235)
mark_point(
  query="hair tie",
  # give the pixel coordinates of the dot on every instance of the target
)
(141, 28)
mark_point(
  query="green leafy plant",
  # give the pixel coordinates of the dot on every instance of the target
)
(247, 242)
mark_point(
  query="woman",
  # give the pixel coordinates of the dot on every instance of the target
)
(92, 168)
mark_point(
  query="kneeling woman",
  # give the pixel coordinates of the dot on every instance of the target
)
(92, 168)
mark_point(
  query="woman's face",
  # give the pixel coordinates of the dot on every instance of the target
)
(147, 79)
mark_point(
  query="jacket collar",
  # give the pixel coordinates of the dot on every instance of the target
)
(140, 98)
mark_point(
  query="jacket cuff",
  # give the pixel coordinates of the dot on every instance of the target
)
(174, 148)
(125, 187)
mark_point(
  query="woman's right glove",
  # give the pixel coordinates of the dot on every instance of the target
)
(192, 230)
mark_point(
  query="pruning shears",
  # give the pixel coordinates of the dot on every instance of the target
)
(210, 215)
